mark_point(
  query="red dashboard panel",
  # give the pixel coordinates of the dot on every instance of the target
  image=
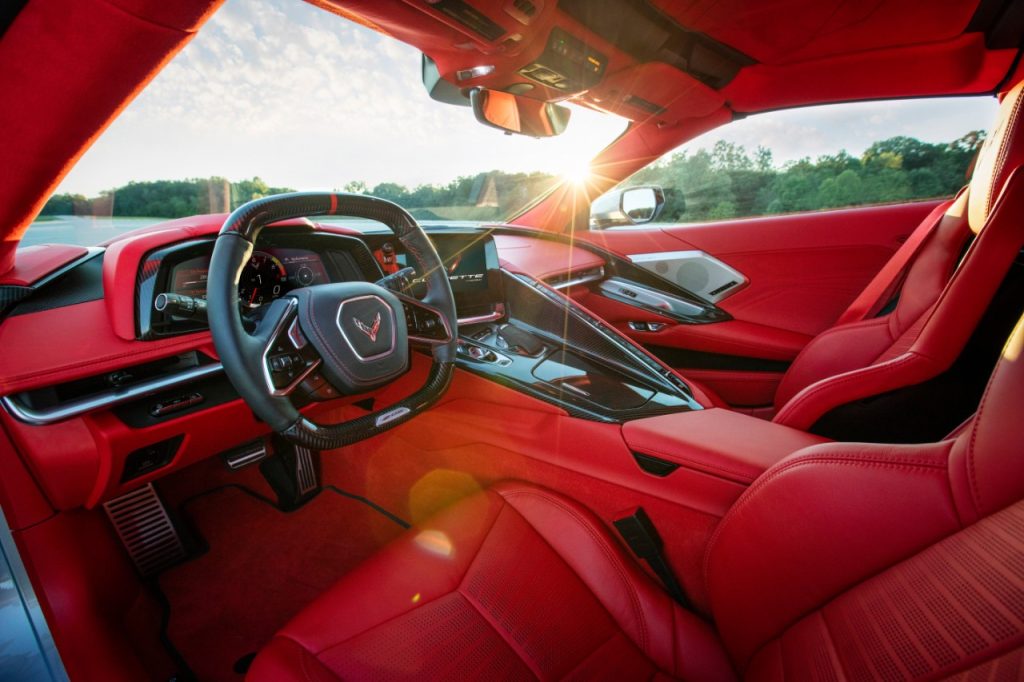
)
(62, 344)
(543, 258)
(35, 262)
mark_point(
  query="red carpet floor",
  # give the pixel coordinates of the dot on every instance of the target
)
(262, 567)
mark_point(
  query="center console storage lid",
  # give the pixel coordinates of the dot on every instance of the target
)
(716, 441)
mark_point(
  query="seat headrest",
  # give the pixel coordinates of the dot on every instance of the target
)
(987, 463)
(1000, 154)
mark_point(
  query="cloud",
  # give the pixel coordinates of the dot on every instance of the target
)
(303, 98)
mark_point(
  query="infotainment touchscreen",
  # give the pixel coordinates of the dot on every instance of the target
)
(466, 262)
(470, 259)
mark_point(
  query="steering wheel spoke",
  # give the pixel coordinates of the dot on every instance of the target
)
(426, 324)
(287, 358)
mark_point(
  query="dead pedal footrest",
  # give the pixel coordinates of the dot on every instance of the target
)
(145, 530)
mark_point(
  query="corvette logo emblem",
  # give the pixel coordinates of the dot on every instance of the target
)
(369, 330)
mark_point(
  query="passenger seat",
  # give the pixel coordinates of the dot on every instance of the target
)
(925, 325)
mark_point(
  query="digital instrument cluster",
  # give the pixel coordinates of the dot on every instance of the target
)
(269, 274)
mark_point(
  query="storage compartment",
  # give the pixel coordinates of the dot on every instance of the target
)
(718, 451)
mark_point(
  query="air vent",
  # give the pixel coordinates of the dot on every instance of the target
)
(145, 529)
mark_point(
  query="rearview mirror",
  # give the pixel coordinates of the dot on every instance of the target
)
(628, 206)
(517, 114)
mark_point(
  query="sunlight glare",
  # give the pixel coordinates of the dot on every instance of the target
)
(577, 171)
(435, 542)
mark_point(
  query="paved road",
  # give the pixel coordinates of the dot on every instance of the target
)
(83, 230)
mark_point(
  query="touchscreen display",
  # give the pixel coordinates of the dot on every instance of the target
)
(466, 263)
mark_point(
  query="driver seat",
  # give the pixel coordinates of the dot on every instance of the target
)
(861, 561)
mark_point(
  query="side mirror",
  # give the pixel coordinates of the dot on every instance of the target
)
(628, 206)
(517, 114)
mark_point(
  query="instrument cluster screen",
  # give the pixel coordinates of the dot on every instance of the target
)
(269, 274)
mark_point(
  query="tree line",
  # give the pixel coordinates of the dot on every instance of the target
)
(723, 182)
(164, 198)
(729, 181)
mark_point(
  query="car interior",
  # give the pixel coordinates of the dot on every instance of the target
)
(576, 444)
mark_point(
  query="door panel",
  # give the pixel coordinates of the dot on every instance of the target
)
(801, 272)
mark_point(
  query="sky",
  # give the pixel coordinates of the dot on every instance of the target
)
(302, 98)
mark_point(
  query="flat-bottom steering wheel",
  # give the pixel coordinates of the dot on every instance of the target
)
(353, 335)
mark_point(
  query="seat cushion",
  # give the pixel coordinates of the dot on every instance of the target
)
(957, 608)
(515, 582)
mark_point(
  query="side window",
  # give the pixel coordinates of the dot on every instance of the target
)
(821, 158)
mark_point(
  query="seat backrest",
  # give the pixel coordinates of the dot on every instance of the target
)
(897, 561)
(809, 388)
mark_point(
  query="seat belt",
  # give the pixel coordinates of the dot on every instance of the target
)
(884, 284)
(639, 532)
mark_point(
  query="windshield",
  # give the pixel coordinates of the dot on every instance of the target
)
(280, 96)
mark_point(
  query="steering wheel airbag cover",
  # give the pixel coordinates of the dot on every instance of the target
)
(359, 330)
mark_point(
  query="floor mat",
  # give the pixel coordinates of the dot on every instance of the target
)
(262, 567)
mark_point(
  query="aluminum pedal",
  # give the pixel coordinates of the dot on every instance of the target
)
(305, 471)
(145, 529)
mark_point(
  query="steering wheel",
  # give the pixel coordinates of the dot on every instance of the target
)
(351, 335)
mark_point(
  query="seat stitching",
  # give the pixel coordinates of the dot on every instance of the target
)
(607, 551)
(589, 656)
(824, 385)
(303, 660)
(1001, 155)
(504, 635)
(405, 613)
(831, 641)
(304, 665)
(895, 463)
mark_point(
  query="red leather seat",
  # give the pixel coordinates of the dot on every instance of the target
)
(843, 561)
(940, 302)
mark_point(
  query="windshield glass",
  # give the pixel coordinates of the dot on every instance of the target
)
(279, 96)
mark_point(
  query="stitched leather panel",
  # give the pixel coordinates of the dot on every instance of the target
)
(955, 607)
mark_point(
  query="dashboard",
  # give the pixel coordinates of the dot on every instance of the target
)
(150, 381)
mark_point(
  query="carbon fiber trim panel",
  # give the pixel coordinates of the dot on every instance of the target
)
(323, 437)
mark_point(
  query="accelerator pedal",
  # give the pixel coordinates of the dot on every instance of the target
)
(145, 529)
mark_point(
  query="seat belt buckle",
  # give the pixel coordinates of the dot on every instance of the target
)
(639, 533)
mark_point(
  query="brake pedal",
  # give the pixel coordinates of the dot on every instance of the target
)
(145, 529)
(293, 473)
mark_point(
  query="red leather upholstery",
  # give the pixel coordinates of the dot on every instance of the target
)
(35, 262)
(814, 559)
(940, 303)
(717, 442)
(842, 561)
(515, 582)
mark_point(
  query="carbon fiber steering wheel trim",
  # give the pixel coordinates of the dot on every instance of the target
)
(239, 350)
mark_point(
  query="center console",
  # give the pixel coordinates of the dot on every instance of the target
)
(547, 346)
